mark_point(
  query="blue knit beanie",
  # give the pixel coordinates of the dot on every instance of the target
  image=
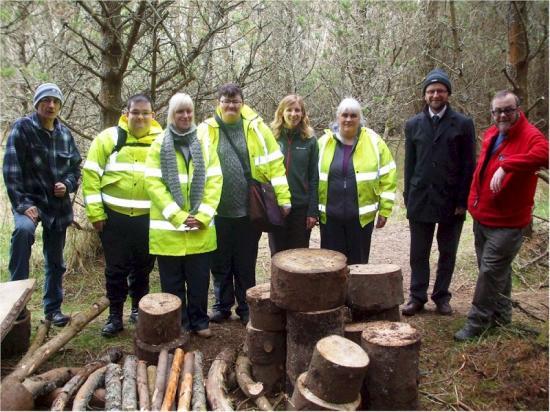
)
(436, 76)
(46, 90)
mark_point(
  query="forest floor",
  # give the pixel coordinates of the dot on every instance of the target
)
(505, 369)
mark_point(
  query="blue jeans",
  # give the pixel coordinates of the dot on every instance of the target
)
(53, 241)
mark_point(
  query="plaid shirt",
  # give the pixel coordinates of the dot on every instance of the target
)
(36, 159)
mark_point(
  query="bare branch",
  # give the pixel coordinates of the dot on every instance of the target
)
(94, 15)
(84, 38)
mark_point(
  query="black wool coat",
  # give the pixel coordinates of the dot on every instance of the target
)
(439, 164)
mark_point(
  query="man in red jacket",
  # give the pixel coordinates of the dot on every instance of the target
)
(501, 202)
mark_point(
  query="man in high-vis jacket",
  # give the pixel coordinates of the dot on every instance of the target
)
(245, 146)
(117, 205)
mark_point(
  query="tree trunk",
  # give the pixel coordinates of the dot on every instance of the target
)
(113, 387)
(265, 347)
(216, 381)
(264, 314)
(517, 68)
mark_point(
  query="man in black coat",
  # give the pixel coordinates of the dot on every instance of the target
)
(439, 163)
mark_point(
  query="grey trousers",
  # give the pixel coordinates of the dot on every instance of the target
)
(496, 248)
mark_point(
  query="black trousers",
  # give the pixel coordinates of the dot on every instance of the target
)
(347, 237)
(188, 278)
(293, 234)
(125, 241)
(234, 263)
(448, 237)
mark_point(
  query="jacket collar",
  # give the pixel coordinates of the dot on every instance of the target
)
(155, 130)
(514, 131)
(444, 123)
(248, 115)
(38, 124)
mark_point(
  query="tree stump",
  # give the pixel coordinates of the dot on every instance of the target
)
(353, 331)
(159, 326)
(305, 400)
(17, 340)
(336, 370)
(272, 376)
(265, 347)
(391, 382)
(374, 288)
(264, 314)
(391, 315)
(306, 280)
(304, 329)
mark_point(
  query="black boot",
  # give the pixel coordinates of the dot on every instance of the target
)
(133, 315)
(114, 322)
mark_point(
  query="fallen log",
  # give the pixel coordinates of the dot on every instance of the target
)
(113, 387)
(186, 382)
(253, 390)
(72, 386)
(151, 378)
(216, 381)
(143, 390)
(84, 394)
(129, 394)
(199, 397)
(40, 385)
(43, 353)
(171, 387)
(160, 382)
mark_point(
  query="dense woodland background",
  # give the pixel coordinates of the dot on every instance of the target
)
(101, 52)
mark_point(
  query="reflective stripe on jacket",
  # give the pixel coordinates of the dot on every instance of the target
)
(375, 174)
(266, 159)
(168, 235)
(117, 179)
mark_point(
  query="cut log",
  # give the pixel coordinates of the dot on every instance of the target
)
(304, 329)
(271, 376)
(18, 339)
(199, 396)
(185, 390)
(86, 391)
(150, 353)
(353, 331)
(129, 393)
(15, 295)
(305, 400)
(264, 314)
(151, 378)
(374, 287)
(298, 276)
(159, 319)
(337, 370)
(215, 383)
(391, 382)
(113, 387)
(17, 398)
(43, 353)
(72, 386)
(142, 387)
(253, 390)
(362, 315)
(40, 385)
(265, 347)
(160, 382)
(172, 385)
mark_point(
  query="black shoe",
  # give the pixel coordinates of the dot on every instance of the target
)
(444, 308)
(245, 319)
(58, 319)
(468, 332)
(219, 317)
(112, 327)
(133, 315)
(412, 308)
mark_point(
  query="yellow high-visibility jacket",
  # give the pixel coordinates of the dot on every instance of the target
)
(266, 159)
(375, 174)
(117, 180)
(168, 235)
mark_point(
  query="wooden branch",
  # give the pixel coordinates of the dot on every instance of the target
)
(93, 15)
(129, 394)
(186, 382)
(113, 387)
(79, 63)
(40, 385)
(151, 378)
(539, 99)
(74, 130)
(199, 396)
(253, 390)
(512, 82)
(160, 382)
(216, 381)
(534, 260)
(84, 38)
(84, 394)
(142, 388)
(171, 387)
(517, 305)
(73, 385)
(44, 352)
(132, 38)
(39, 338)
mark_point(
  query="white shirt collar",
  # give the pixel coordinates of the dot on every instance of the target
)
(440, 114)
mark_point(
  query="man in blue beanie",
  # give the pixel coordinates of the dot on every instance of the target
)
(41, 168)
(439, 163)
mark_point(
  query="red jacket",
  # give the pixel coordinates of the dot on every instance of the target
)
(521, 154)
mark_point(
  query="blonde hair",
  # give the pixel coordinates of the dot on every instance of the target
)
(178, 101)
(306, 131)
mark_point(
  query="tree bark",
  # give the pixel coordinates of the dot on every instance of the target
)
(142, 388)
(253, 390)
(216, 382)
(72, 386)
(265, 347)
(159, 319)
(186, 382)
(199, 397)
(264, 314)
(172, 386)
(391, 314)
(271, 376)
(129, 393)
(151, 379)
(86, 391)
(40, 385)
(517, 69)
(160, 382)
(113, 387)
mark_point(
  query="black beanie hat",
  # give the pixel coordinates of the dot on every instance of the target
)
(436, 76)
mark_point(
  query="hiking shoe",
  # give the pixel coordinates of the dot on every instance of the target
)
(444, 308)
(58, 319)
(133, 315)
(112, 327)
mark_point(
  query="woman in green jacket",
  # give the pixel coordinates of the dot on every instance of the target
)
(298, 144)
(184, 182)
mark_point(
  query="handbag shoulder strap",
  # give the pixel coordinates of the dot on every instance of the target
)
(246, 168)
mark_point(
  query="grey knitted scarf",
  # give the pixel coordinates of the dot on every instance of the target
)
(169, 166)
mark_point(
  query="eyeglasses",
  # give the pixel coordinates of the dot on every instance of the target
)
(231, 102)
(507, 111)
(438, 91)
(137, 114)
